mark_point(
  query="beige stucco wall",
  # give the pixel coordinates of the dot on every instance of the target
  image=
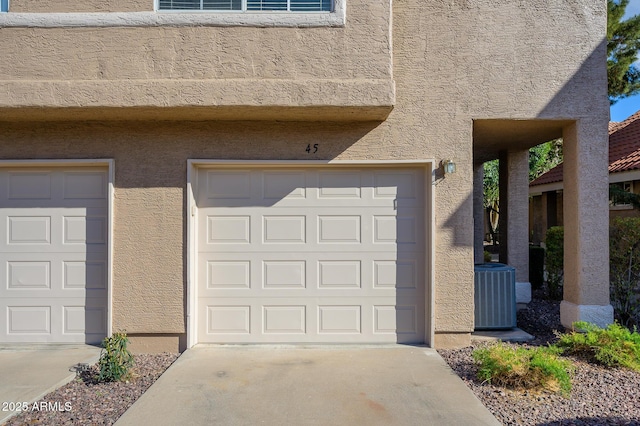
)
(197, 66)
(53, 6)
(456, 61)
(449, 62)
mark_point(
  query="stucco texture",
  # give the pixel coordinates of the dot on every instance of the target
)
(105, 68)
(52, 6)
(450, 62)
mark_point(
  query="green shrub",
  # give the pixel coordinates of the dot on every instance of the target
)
(536, 266)
(554, 260)
(538, 368)
(115, 359)
(614, 346)
(487, 257)
(624, 269)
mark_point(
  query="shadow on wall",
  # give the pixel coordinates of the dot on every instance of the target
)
(154, 154)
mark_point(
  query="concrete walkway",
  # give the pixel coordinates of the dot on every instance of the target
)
(320, 385)
(29, 372)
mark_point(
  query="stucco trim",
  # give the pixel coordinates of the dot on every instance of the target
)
(629, 175)
(539, 189)
(613, 178)
(177, 19)
(429, 264)
(109, 163)
(200, 99)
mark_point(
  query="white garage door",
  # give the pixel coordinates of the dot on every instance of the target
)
(53, 253)
(324, 255)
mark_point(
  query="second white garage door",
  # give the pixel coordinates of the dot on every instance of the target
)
(318, 255)
(53, 254)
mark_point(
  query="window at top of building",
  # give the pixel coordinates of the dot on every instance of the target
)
(248, 5)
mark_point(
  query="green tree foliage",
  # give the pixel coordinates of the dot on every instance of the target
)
(544, 157)
(490, 184)
(623, 43)
(620, 196)
(491, 191)
(554, 260)
(624, 269)
(115, 359)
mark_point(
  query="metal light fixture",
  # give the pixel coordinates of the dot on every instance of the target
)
(448, 166)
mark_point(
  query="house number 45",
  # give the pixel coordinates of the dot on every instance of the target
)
(312, 149)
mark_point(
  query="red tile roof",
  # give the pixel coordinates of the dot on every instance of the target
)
(624, 150)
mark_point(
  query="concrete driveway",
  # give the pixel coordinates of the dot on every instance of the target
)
(319, 385)
(28, 372)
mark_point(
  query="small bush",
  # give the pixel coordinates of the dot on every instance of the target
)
(554, 260)
(519, 367)
(614, 346)
(624, 269)
(115, 359)
(487, 257)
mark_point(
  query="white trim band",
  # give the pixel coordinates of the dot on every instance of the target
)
(175, 19)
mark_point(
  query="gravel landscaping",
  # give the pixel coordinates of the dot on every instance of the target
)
(92, 403)
(600, 395)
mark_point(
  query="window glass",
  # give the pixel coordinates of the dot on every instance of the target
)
(180, 4)
(618, 199)
(4, 5)
(310, 5)
(248, 5)
(222, 4)
(266, 4)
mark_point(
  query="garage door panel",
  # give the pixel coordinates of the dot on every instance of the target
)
(53, 254)
(401, 320)
(28, 275)
(52, 230)
(323, 230)
(30, 319)
(84, 230)
(28, 230)
(284, 319)
(300, 187)
(398, 184)
(29, 187)
(401, 273)
(339, 319)
(317, 255)
(52, 271)
(88, 316)
(90, 275)
(84, 185)
(269, 321)
(281, 186)
(227, 274)
(228, 229)
(279, 229)
(27, 184)
(55, 320)
(231, 319)
(284, 274)
(317, 273)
